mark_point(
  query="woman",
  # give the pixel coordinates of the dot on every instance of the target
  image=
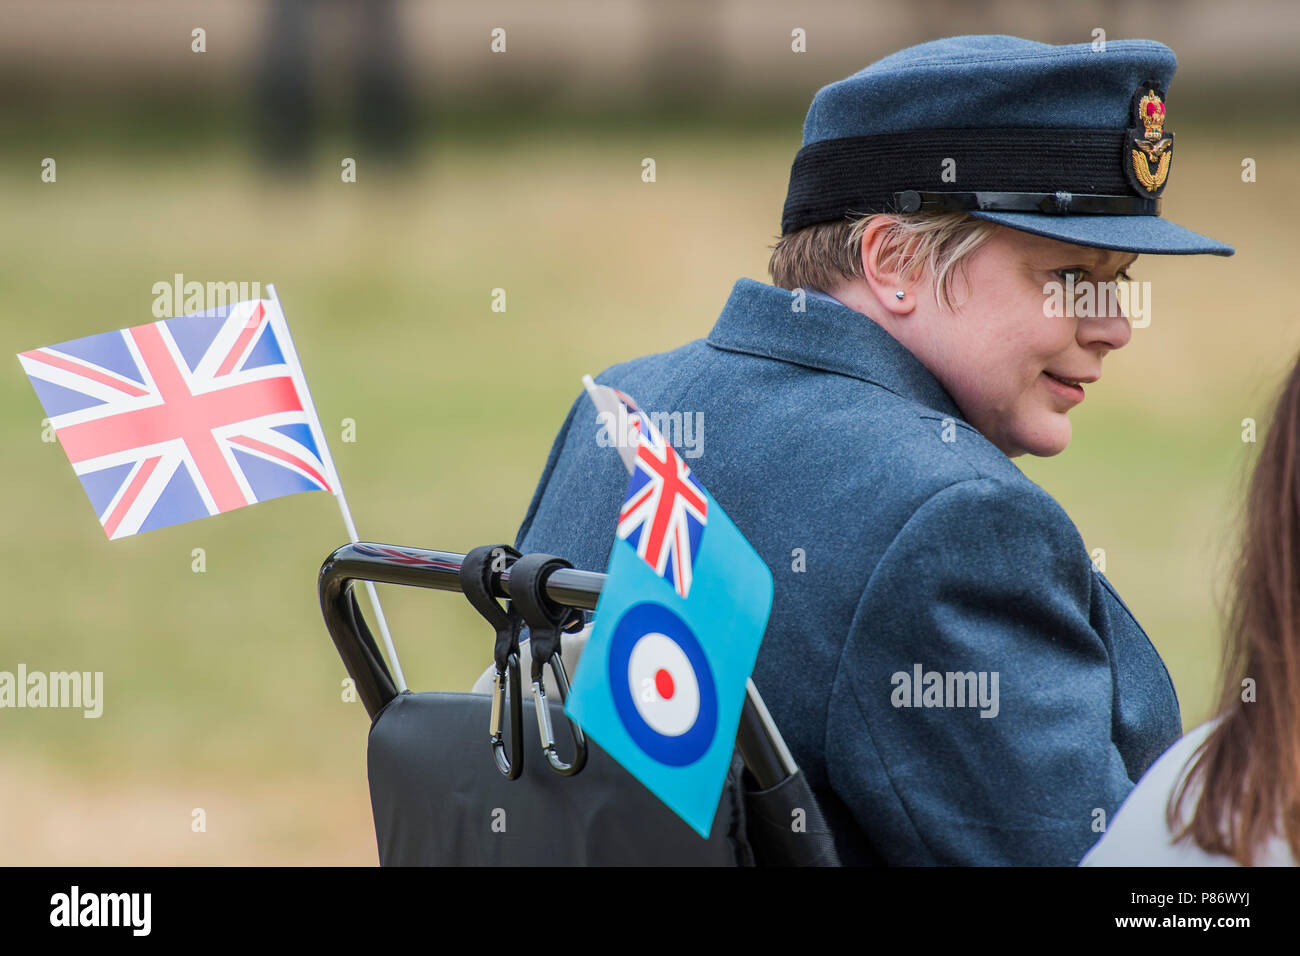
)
(958, 682)
(1229, 792)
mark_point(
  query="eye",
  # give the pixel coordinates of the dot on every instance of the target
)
(1077, 271)
(1123, 276)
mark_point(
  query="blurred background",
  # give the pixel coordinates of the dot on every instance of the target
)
(218, 155)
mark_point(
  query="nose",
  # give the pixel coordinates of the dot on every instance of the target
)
(1109, 327)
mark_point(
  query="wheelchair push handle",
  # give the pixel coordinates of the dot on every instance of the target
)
(758, 739)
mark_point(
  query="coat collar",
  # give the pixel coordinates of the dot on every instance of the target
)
(758, 320)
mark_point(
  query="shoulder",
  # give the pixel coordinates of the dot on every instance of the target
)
(648, 371)
(938, 464)
(995, 522)
(875, 453)
(988, 567)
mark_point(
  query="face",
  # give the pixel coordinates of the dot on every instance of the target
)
(1014, 357)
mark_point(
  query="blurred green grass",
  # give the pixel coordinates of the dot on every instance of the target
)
(228, 676)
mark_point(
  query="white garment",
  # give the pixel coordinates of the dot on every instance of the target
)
(1138, 834)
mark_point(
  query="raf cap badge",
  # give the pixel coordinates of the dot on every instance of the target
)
(1149, 150)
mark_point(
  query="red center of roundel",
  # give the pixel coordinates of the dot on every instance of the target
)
(664, 683)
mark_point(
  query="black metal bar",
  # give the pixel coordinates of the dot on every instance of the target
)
(758, 739)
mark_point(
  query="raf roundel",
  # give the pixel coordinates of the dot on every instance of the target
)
(663, 685)
(663, 689)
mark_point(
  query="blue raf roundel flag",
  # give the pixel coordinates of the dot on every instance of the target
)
(662, 687)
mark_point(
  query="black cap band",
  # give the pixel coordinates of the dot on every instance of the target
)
(1058, 203)
(1055, 171)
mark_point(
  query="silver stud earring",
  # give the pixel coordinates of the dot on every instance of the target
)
(900, 294)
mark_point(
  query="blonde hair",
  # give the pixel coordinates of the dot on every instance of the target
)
(823, 255)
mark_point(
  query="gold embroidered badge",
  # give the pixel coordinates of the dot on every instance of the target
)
(1150, 148)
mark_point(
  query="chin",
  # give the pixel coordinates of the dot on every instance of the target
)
(1047, 441)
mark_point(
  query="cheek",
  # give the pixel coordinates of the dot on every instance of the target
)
(1005, 334)
(1010, 366)
(1040, 342)
(1010, 384)
(998, 345)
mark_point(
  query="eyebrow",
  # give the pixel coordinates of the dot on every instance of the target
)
(1122, 266)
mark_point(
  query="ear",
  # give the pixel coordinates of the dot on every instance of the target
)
(882, 270)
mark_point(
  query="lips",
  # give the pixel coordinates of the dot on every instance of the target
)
(1068, 388)
(1070, 380)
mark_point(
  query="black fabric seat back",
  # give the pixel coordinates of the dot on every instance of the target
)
(439, 800)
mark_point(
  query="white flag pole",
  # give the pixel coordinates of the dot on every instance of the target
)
(607, 403)
(300, 380)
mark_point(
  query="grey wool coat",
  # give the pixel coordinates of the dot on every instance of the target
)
(958, 681)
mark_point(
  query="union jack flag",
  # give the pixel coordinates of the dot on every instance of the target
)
(665, 510)
(182, 418)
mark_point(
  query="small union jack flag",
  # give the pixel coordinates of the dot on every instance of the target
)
(182, 418)
(670, 671)
(665, 510)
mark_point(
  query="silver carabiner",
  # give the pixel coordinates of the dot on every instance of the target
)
(547, 733)
(511, 767)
